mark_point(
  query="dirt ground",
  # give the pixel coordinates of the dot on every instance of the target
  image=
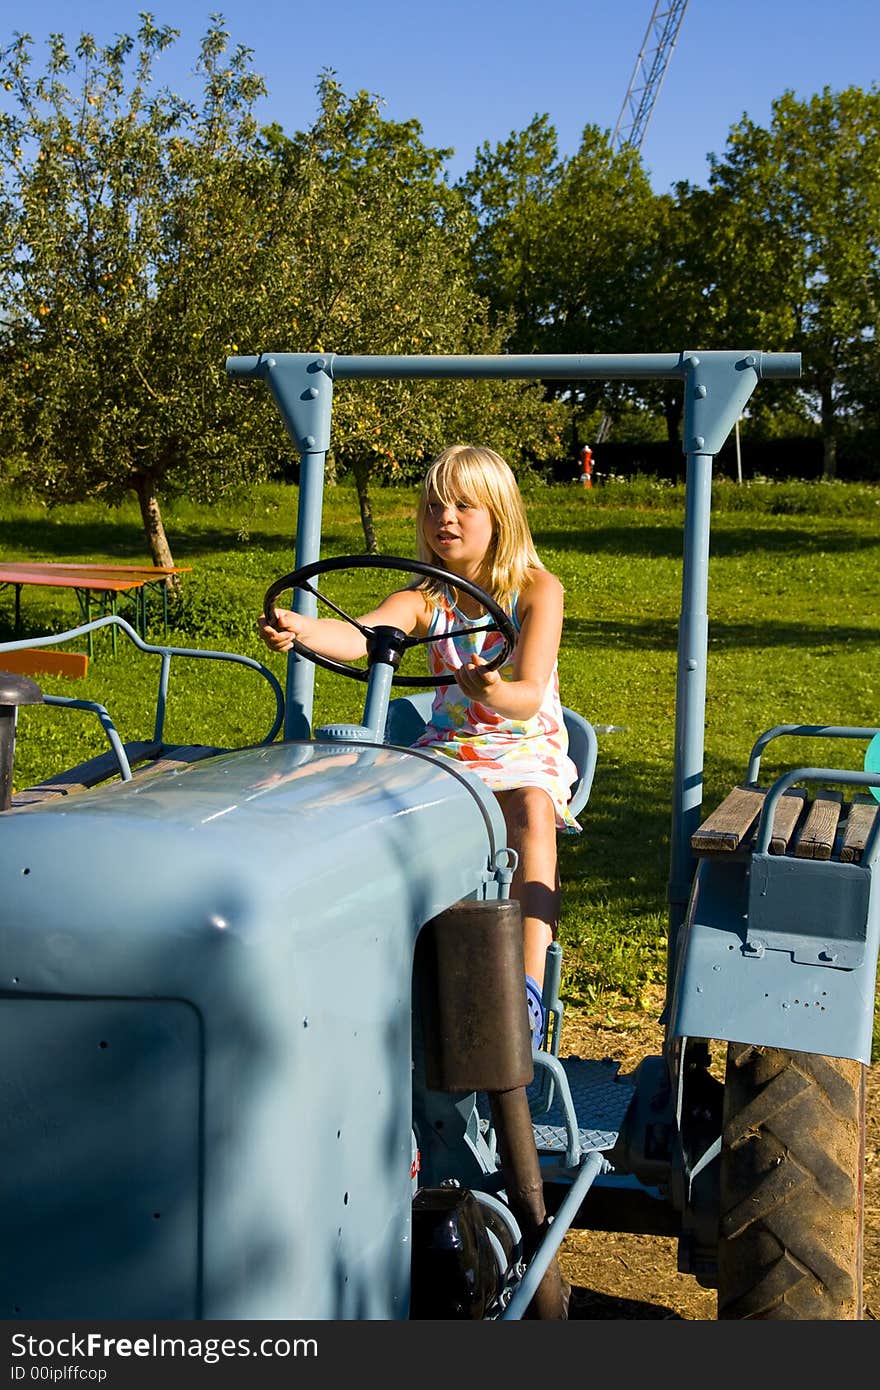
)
(616, 1275)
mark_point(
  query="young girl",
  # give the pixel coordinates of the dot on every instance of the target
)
(505, 725)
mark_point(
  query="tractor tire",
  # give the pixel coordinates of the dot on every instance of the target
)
(791, 1227)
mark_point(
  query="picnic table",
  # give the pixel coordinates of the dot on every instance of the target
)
(104, 583)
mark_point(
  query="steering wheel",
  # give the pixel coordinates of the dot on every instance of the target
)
(389, 643)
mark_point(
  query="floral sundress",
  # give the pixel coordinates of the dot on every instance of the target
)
(505, 753)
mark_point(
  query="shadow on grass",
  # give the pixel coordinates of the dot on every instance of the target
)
(124, 541)
(622, 858)
(625, 839)
(657, 634)
(666, 542)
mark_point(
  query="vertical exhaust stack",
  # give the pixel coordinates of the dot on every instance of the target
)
(15, 690)
(477, 1038)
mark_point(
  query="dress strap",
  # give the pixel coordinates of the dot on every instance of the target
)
(453, 612)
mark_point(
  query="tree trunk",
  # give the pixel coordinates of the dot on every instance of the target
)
(604, 429)
(362, 482)
(829, 435)
(672, 408)
(154, 530)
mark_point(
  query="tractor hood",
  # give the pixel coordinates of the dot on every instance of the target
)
(293, 835)
(206, 995)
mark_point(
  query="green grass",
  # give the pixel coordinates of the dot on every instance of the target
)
(794, 600)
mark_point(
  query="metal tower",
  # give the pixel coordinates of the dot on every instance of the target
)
(648, 74)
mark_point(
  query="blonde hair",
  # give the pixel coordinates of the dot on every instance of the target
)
(475, 474)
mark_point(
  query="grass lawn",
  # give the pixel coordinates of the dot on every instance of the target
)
(794, 636)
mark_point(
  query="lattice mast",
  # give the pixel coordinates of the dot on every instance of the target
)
(648, 74)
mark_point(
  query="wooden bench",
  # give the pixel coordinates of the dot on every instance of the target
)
(145, 759)
(825, 827)
(33, 661)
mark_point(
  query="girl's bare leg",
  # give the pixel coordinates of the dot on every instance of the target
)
(531, 831)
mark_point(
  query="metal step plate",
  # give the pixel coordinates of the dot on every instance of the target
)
(600, 1101)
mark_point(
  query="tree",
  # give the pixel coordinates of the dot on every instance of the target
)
(561, 244)
(133, 255)
(509, 191)
(144, 239)
(383, 267)
(676, 307)
(797, 229)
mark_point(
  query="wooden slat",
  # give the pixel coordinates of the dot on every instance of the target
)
(86, 775)
(816, 839)
(729, 824)
(31, 661)
(44, 567)
(789, 809)
(734, 824)
(862, 814)
(175, 757)
(146, 759)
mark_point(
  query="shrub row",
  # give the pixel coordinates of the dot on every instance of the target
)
(858, 460)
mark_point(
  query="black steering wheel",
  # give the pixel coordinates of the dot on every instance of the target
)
(389, 643)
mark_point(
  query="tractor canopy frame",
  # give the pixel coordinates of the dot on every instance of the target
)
(717, 387)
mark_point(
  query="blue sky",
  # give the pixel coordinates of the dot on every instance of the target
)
(475, 70)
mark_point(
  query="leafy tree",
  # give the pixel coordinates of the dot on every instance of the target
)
(676, 305)
(561, 244)
(382, 267)
(509, 191)
(797, 226)
(144, 238)
(133, 255)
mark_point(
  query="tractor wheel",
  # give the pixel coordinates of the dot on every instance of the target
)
(792, 1186)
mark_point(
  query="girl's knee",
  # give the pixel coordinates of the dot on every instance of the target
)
(529, 812)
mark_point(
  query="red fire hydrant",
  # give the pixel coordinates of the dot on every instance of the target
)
(586, 457)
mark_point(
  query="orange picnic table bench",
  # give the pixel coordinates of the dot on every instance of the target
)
(94, 581)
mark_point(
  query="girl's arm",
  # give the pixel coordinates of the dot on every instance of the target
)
(540, 615)
(405, 609)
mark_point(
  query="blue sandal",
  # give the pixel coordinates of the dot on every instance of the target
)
(535, 1004)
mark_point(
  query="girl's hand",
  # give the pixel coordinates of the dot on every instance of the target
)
(289, 625)
(474, 681)
(519, 696)
(341, 640)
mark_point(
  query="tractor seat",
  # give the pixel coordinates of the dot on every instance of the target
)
(408, 716)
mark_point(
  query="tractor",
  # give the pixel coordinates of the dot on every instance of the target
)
(265, 1050)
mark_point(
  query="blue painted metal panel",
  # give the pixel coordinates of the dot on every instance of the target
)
(274, 894)
(102, 1159)
(291, 375)
(778, 992)
(817, 911)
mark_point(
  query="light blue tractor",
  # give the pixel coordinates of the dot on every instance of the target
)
(265, 1053)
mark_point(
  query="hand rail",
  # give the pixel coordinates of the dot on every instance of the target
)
(816, 774)
(800, 731)
(165, 652)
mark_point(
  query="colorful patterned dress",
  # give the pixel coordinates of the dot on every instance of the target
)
(505, 753)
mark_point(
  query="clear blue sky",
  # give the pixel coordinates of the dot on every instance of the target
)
(475, 70)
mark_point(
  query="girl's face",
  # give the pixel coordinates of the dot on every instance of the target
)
(460, 532)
